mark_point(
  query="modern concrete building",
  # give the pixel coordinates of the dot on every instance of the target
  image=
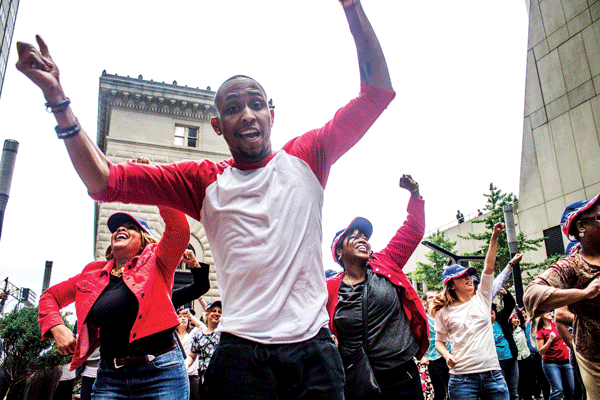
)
(165, 123)
(8, 17)
(560, 161)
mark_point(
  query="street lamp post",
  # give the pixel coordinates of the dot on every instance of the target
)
(511, 234)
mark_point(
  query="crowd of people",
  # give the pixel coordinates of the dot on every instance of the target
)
(282, 330)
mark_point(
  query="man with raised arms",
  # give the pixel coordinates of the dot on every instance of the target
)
(262, 214)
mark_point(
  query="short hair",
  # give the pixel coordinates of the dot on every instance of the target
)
(146, 239)
(219, 93)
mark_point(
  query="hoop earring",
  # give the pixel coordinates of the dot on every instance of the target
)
(339, 257)
(581, 234)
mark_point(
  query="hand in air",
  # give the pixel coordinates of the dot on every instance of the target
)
(498, 229)
(39, 67)
(189, 259)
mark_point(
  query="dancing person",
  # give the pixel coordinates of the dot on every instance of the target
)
(555, 359)
(203, 343)
(199, 286)
(396, 324)
(526, 379)
(564, 322)
(185, 331)
(506, 349)
(463, 317)
(247, 205)
(124, 303)
(438, 369)
(574, 281)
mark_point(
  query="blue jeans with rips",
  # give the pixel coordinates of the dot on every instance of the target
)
(488, 385)
(163, 378)
(561, 378)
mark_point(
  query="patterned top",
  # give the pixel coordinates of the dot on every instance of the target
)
(204, 345)
(571, 273)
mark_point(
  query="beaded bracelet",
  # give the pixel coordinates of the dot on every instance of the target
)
(69, 131)
(58, 108)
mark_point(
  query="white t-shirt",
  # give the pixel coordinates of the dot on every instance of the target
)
(468, 326)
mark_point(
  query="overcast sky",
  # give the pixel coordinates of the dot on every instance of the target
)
(456, 123)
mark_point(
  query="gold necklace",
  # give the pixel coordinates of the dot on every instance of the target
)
(117, 273)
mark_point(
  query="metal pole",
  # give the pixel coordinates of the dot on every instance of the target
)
(7, 166)
(47, 274)
(511, 235)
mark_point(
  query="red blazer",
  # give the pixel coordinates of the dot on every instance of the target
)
(389, 263)
(149, 276)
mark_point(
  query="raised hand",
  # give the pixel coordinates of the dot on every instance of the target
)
(39, 67)
(190, 259)
(515, 260)
(497, 230)
(408, 183)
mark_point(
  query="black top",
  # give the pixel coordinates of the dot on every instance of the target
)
(390, 341)
(114, 312)
(201, 284)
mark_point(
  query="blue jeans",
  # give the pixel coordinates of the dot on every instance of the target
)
(163, 378)
(510, 371)
(488, 385)
(241, 369)
(561, 378)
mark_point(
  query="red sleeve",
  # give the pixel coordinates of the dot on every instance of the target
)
(407, 238)
(51, 302)
(320, 148)
(174, 240)
(179, 185)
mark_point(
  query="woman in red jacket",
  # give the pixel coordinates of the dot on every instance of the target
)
(125, 304)
(396, 324)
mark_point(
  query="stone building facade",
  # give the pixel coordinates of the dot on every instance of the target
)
(165, 123)
(560, 161)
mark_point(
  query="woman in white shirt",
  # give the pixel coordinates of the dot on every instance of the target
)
(463, 317)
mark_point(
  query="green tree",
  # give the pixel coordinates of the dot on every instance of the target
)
(431, 273)
(495, 200)
(22, 348)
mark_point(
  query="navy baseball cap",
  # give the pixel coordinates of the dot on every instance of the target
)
(456, 271)
(330, 273)
(213, 304)
(573, 210)
(362, 224)
(117, 219)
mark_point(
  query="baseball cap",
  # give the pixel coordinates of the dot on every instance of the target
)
(572, 248)
(362, 224)
(213, 304)
(456, 271)
(117, 219)
(573, 211)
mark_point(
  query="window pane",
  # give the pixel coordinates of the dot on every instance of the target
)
(192, 142)
(193, 132)
(179, 141)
